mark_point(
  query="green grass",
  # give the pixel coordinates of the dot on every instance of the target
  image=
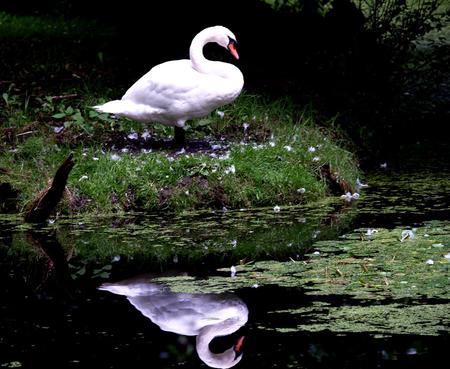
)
(21, 26)
(266, 165)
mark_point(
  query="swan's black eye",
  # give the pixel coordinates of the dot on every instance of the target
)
(231, 41)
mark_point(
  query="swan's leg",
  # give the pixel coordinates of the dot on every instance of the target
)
(180, 137)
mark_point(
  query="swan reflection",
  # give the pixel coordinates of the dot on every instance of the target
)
(206, 315)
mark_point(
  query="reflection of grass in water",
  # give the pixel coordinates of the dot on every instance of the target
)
(135, 245)
(386, 285)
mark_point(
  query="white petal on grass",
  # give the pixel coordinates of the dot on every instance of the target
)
(276, 208)
(220, 113)
(58, 129)
(288, 148)
(315, 158)
(230, 169)
(301, 190)
(429, 262)
(245, 125)
(311, 149)
(272, 144)
(447, 256)
(133, 136)
(233, 243)
(82, 178)
(115, 157)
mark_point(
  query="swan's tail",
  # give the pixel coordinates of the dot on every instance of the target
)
(133, 289)
(129, 109)
(113, 107)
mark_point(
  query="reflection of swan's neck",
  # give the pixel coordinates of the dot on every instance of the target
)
(226, 359)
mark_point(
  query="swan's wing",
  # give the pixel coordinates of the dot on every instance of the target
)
(163, 84)
(178, 90)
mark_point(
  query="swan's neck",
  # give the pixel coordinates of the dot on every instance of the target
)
(226, 359)
(203, 65)
(198, 60)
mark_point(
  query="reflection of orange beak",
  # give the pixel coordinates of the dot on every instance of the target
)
(238, 345)
(233, 51)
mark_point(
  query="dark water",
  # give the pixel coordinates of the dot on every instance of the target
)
(54, 316)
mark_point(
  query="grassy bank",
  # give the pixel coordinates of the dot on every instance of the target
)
(253, 153)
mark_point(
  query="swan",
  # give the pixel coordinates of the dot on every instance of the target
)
(206, 315)
(175, 91)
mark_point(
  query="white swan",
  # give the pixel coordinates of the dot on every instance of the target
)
(175, 91)
(203, 315)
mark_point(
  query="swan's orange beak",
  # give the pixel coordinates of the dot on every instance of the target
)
(232, 48)
(239, 344)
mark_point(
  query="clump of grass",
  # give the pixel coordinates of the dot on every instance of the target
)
(275, 157)
(28, 26)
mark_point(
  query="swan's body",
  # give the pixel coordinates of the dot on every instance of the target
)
(203, 315)
(175, 91)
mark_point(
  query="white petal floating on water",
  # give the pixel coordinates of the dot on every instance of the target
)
(371, 231)
(347, 196)
(407, 233)
(411, 351)
(182, 151)
(429, 262)
(233, 271)
(360, 185)
(276, 208)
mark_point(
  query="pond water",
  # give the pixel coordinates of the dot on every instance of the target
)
(361, 284)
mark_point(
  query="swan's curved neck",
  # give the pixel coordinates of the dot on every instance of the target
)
(198, 60)
(226, 359)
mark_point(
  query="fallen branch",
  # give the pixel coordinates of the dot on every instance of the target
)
(46, 201)
(60, 97)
